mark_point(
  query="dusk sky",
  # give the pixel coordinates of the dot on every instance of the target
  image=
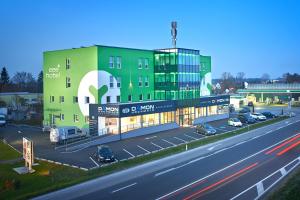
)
(254, 37)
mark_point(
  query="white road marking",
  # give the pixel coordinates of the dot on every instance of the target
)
(283, 171)
(128, 153)
(190, 137)
(169, 142)
(122, 188)
(19, 131)
(180, 139)
(94, 162)
(157, 145)
(147, 138)
(260, 188)
(166, 171)
(211, 148)
(143, 148)
(216, 172)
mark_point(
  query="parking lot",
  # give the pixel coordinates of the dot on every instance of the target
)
(124, 149)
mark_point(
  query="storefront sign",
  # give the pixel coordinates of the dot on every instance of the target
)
(108, 110)
(211, 101)
(146, 108)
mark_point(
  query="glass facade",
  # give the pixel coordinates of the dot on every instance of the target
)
(177, 74)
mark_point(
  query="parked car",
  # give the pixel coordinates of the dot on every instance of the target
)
(258, 116)
(205, 129)
(104, 154)
(269, 115)
(234, 122)
(245, 110)
(244, 118)
(2, 120)
(62, 134)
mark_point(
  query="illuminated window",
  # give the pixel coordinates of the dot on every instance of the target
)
(86, 119)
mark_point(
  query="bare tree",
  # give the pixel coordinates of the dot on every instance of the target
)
(265, 77)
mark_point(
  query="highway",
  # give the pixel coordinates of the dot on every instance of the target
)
(232, 168)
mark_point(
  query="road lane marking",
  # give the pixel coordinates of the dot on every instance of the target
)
(166, 171)
(180, 139)
(169, 142)
(283, 171)
(143, 148)
(270, 175)
(94, 162)
(192, 196)
(223, 169)
(190, 137)
(122, 188)
(157, 145)
(148, 138)
(129, 153)
(211, 148)
(260, 188)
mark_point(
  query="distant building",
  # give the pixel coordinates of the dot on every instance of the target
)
(272, 92)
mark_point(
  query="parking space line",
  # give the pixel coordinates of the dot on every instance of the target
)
(157, 145)
(191, 137)
(169, 142)
(129, 153)
(94, 161)
(180, 139)
(143, 149)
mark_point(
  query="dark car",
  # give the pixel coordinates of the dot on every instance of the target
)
(245, 110)
(246, 119)
(269, 115)
(250, 103)
(105, 154)
(205, 129)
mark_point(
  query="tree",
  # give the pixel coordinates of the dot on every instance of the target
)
(40, 82)
(228, 81)
(265, 77)
(240, 77)
(4, 76)
(24, 81)
(291, 78)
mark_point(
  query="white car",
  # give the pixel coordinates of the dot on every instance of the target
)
(2, 120)
(258, 116)
(234, 122)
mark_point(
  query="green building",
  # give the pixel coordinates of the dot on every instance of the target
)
(80, 83)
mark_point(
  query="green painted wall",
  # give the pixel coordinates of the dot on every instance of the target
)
(129, 71)
(82, 61)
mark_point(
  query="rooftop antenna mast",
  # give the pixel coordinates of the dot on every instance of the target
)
(174, 33)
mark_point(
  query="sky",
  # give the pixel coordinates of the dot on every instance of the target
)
(250, 36)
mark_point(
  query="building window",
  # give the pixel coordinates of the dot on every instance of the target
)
(51, 99)
(75, 99)
(86, 119)
(141, 97)
(87, 99)
(111, 81)
(68, 82)
(61, 99)
(148, 96)
(76, 119)
(119, 62)
(111, 62)
(62, 117)
(129, 98)
(140, 81)
(118, 99)
(140, 63)
(146, 63)
(118, 82)
(107, 99)
(146, 81)
(68, 63)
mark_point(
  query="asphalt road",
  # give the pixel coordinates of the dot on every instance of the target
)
(221, 170)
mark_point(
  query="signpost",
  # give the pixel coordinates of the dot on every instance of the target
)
(28, 154)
